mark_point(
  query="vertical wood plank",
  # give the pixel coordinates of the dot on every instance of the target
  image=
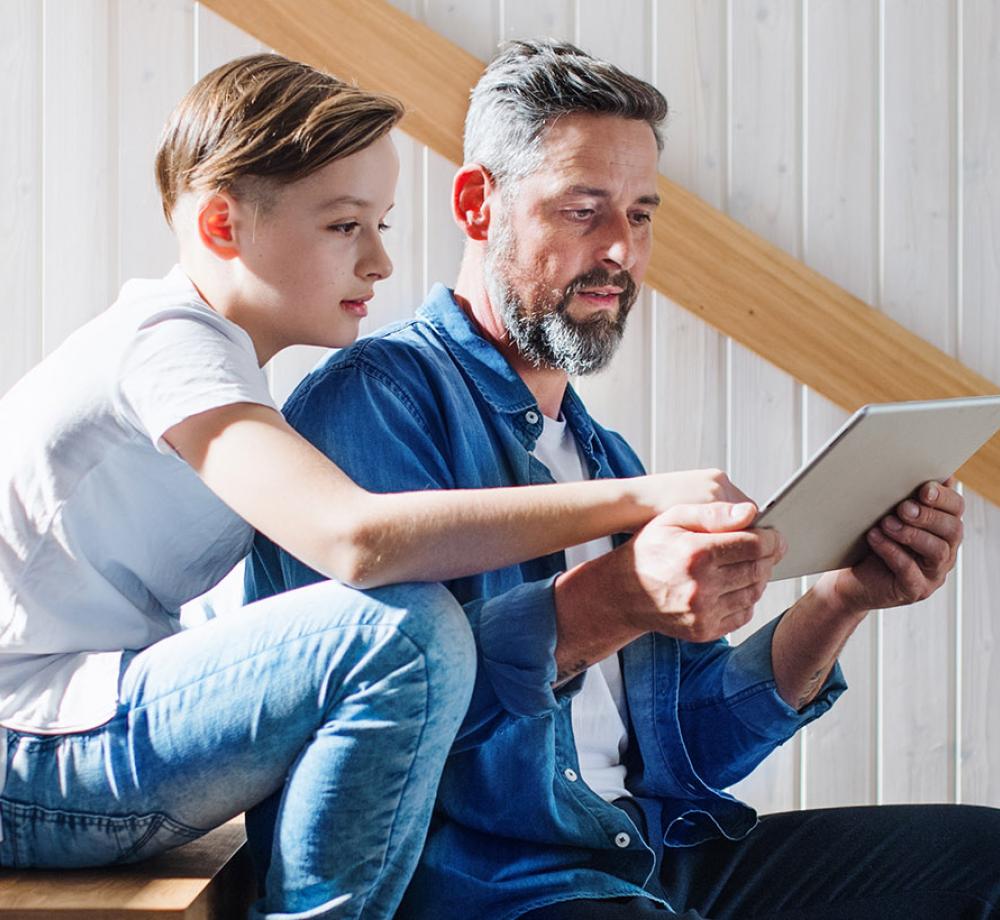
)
(620, 397)
(841, 228)
(537, 19)
(155, 64)
(217, 41)
(764, 194)
(919, 291)
(688, 383)
(474, 27)
(79, 271)
(979, 347)
(20, 187)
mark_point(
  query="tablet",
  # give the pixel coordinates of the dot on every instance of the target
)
(881, 455)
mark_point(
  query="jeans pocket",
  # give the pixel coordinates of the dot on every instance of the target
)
(43, 838)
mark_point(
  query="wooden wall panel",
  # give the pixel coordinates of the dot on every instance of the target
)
(978, 661)
(155, 65)
(20, 187)
(764, 194)
(80, 193)
(620, 396)
(918, 290)
(689, 382)
(840, 239)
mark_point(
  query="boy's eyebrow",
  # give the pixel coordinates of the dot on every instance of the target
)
(594, 192)
(342, 200)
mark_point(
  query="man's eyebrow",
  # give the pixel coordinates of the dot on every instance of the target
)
(652, 201)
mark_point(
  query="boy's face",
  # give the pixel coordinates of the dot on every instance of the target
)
(310, 260)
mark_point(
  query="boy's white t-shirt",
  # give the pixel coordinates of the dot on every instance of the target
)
(599, 710)
(104, 530)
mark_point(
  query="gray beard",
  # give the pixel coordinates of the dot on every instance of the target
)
(545, 335)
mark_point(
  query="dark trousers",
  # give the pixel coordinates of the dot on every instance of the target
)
(901, 862)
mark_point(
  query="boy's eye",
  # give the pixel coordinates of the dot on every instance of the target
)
(347, 227)
(383, 227)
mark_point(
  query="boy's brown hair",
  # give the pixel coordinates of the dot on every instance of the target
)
(264, 117)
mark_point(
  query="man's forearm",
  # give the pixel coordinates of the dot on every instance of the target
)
(589, 626)
(806, 645)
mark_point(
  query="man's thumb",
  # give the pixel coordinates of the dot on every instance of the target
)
(711, 517)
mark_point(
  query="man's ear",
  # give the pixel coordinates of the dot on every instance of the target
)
(216, 225)
(470, 200)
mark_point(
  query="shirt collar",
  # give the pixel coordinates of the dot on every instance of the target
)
(491, 374)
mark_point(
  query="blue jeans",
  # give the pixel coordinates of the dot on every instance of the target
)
(326, 713)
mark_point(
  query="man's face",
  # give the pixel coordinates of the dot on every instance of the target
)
(569, 244)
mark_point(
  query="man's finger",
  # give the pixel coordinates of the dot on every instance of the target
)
(940, 523)
(934, 551)
(746, 574)
(943, 496)
(898, 560)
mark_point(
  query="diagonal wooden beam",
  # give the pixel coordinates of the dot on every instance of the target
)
(703, 260)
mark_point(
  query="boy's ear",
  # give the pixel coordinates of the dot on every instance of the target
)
(470, 200)
(216, 219)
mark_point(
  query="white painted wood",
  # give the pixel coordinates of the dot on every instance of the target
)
(20, 187)
(474, 28)
(764, 194)
(155, 63)
(79, 196)
(979, 347)
(218, 41)
(689, 389)
(840, 240)
(919, 291)
(620, 396)
(537, 19)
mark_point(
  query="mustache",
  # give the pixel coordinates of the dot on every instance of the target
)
(601, 277)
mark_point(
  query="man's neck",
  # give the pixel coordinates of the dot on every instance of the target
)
(547, 384)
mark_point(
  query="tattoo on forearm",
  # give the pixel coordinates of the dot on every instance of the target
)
(568, 673)
(812, 685)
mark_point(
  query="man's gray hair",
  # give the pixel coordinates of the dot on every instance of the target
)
(529, 84)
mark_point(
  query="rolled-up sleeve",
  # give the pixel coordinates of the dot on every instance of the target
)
(730, 711)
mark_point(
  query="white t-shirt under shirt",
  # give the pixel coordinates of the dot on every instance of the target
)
(599, 709)
(104, 530)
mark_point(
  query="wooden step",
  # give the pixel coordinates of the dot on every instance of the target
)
(207, 879)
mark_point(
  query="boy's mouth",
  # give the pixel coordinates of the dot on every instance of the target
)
(357, 308)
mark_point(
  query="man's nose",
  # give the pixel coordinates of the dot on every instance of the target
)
(617, 247)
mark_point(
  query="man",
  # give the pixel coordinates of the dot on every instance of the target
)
(608, 714)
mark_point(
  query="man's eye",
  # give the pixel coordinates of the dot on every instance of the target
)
(346, 228)
(642, 217)
(580, 213)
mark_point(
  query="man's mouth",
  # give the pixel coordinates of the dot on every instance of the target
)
(601, 297)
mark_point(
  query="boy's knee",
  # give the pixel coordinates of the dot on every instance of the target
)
(436, 623)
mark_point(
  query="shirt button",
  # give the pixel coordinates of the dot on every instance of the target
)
(531, 417)
(570, 774)
(622, 840)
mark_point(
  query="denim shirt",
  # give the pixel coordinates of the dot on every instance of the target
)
(429, 404)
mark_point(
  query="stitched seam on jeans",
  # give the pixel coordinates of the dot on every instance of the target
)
(409, 772)
(241, 661)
